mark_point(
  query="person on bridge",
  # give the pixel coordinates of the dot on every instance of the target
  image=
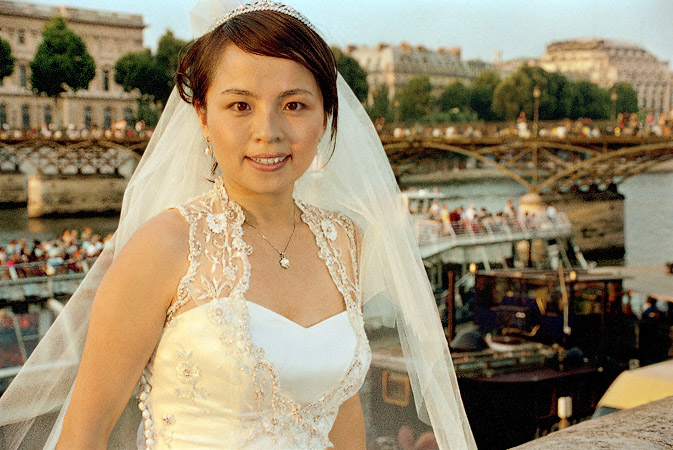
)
(233, 307)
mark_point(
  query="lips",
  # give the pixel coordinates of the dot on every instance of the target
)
(269, 161)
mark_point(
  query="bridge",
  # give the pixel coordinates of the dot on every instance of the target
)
(540, 164)
(68, 156)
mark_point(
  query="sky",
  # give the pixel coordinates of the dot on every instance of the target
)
(517, 28)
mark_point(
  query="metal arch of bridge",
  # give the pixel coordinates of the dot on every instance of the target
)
(540, 164)
(52, 156)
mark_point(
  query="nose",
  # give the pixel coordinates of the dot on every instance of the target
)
(268, 127)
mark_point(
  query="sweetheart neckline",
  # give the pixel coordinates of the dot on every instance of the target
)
(292, 322)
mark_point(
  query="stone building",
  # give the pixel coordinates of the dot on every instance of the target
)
(606, 62)
(107, 35)
(394, 66)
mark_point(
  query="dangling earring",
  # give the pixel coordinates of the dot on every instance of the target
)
(209, 148)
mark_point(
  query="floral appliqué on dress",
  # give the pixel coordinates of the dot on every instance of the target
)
(217, 279)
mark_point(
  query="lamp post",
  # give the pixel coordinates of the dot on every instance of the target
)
(396, 107)
(613, 97)
(536, 111)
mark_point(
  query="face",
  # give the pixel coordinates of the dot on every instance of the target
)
(264, 117)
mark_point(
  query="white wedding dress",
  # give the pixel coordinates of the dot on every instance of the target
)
(231, 374)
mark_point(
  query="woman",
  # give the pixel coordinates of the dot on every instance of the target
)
(240, 310)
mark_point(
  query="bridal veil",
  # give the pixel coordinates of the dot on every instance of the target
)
(356, 180)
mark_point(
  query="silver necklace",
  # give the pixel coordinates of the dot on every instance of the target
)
(284, 262)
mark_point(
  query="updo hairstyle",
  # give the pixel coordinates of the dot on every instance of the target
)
(265, 33)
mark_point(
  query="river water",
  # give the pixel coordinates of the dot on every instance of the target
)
(648, 212)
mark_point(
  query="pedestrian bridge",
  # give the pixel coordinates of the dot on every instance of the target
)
(544, 164)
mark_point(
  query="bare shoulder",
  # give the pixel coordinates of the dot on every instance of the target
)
(165, 236)
(154, 259)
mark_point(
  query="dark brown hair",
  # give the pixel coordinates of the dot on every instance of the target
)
(266, 33)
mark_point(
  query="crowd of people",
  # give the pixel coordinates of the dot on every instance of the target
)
(460, 220)
(121, 129)
(626, 124)
(72, 251)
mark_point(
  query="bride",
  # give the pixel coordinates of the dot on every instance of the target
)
(230, 313)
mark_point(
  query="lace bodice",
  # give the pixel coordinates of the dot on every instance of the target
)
(218, 378)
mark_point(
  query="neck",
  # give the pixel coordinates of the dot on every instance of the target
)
(264, 210)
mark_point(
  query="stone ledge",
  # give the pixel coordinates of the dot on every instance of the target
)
(647, 427)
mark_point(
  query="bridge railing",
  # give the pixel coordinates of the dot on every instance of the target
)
(430, 231)
(45, 268)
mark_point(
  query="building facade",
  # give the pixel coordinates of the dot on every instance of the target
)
(107, 35)
(394, 66)
(606, 62)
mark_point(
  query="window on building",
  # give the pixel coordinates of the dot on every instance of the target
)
(47, 114)
(21, 35)
(22, 76)
(128, 116)
(106, 80)
(3, 115)
(87, 117)
(107, 118)
(25, 117)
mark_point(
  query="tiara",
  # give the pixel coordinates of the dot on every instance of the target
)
(264, 5)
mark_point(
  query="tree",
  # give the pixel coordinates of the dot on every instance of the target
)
(152, 75)
(456, 95)
(415, 99)
(589, 100)
(481, 95)
(513, 95)
(381, 103)
(556, 98)
(627, 97)
(139, 70)
(61, 61)
(168, 51)
(6, 59)
(355, 76)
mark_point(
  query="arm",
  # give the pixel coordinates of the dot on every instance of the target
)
(127, 317)
(348, 432)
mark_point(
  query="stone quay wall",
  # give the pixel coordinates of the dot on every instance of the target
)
(13, 188)
(74, 194)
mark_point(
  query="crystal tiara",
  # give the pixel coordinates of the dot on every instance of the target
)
(264, 5)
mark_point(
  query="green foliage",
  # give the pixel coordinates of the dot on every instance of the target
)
(6, 59)
(481, 95)
(556, 101)
(450, 116)
(381, 106)
(627, 97)
(139, 70)
(456, 95)
(559, 97)
(152, 75)
(61, 61)
(589, 100)
(415, 99)
(355, 76)
(513, 95)
(147, 112)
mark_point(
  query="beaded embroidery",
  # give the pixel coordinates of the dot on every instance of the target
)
(218, 277)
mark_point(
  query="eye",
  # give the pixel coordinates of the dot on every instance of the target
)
(294, 106)
(240, 106)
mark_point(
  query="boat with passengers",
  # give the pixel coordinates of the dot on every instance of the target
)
(536, 333)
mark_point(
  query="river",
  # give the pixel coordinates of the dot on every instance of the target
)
(648, 212)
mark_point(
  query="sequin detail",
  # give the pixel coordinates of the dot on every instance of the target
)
(218, 278)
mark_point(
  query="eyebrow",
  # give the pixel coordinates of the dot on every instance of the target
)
(282, 95)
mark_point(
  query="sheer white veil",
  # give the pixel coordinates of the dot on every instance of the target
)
(357, 180)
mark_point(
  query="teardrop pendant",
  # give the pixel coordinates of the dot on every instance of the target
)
(284, 262)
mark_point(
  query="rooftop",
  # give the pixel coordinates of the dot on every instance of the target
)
(37, 11)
